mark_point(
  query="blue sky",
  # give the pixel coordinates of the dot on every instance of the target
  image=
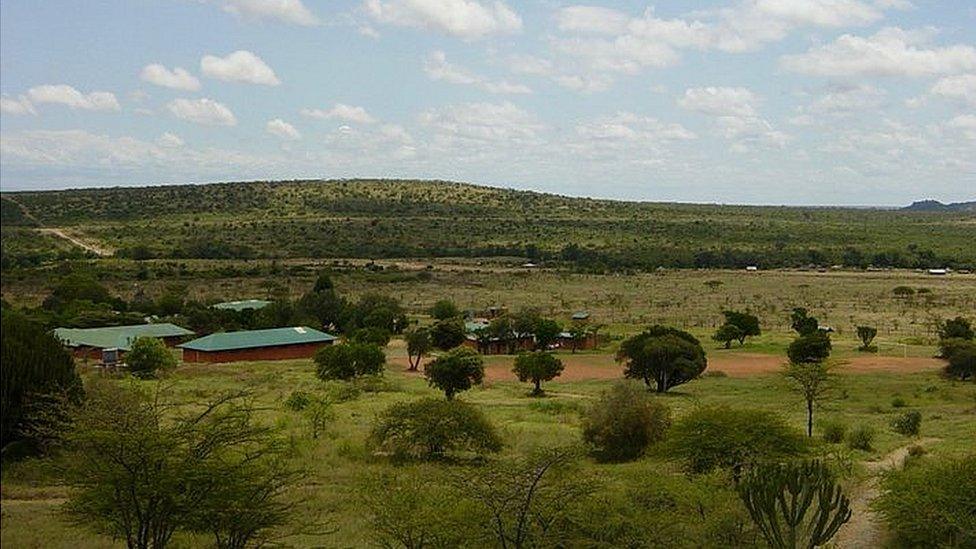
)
(863, 102)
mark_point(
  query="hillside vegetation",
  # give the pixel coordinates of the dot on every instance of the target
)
(393, 218)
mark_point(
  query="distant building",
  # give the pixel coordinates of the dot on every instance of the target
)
(938, 272)
(92, 343)
(272, 344)
(242, 305)
(752, 268)
(580, 316)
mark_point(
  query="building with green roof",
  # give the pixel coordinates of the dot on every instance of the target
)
(271, 344)
(91, 342)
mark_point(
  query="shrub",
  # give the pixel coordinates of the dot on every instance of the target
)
(338, 391)
(867, 334)
(623, 423)
(433, 428)
(962, 361)
(444, 309)
(903, 291)
(898, 402)
(727, 438)
(860, 438)
(931, 504)
(908, 424)
(297, 401)
(149, 355)
(834, 431)
(375, 336)
(457, 370)
(349, 360)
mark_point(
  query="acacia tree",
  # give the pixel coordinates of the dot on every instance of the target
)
(727, 333)
(537, 367)
(866, 334)
(666, 355)
(747, 323)
(802, 322)
(813, 347)
(457, 370)
(419, 344)
(812, 380)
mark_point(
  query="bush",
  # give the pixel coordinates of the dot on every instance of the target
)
(297, 401)
(727, 438)
(898, 402)
(623, 423)
(375, 336)
(860, 438)
(349, 360)
(962, 360)
(149, 355)
(433, 428)
(931, 504)
(908, 424)
(834, 431)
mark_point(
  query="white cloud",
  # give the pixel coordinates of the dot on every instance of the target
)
(483, 122)
(66, 95)
(466, 19)
(889, 52)
(282, 129)
(170, 141)
(20, 105)
(960, 87)
(592, 19)
(341, 111)
(822, 13)
(177, 79)
(966, 123)
(285, 11)
(719, 101)
(206, 112)
(240, 66)
(438, 68)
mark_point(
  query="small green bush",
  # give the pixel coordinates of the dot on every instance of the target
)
(432, 429)
(834, 431)
(341, 391)
(148, 356)
(898, 402)
(860, 438)
(297, 401)
(349, 360)
(624, 422)
(908, 424)
(931, 503)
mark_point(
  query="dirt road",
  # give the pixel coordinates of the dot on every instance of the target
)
(88, 246)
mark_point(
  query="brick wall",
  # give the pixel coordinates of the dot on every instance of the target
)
(279, 352)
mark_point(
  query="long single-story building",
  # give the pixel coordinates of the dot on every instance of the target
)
(90, 343)
(271, 344)
(242, 305)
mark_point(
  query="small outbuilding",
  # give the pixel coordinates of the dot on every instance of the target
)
(242, 305)
(271, 344)
(91, 343)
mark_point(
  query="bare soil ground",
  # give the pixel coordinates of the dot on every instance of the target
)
(602, 366)
(92, 247)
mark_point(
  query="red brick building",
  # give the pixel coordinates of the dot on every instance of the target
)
(272, 344)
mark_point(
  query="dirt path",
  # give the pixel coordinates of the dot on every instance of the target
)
(88, 246)
(865, 528)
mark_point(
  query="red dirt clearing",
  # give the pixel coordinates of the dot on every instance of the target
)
(589, 367)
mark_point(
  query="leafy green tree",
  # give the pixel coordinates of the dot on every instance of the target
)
(747, 323)
(813, 347)
(546, 333)
(727, 333)
(444, 309)
(36, 372)
(732, 439)
(148, 356)
(931, 503)
(140, 472)
(537, 367)
(623, 423)
(956, 328)
(376, 311)
(962, 360)
(668, 356)
(502, 329)
(78, 286)
(324, 304)
(802, 323)
(419, 345)
(433, 428)
(867, 334)
(349, 360)
(376, 336)
(447, 334)
(457, 370)
(795, 505)
(578, 332)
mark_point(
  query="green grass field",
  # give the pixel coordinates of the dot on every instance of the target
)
(338, 462)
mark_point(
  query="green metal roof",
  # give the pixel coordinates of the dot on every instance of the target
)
(242, 305)
(249, 339)
(117, 337)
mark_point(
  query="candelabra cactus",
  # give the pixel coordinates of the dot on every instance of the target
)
(795, 505)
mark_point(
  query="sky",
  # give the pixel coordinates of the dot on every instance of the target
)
(815, 102)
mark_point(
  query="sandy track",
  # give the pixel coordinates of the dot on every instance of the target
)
(88, 246)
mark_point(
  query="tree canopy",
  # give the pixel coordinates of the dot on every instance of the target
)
(536, 367)
(457, 370)
(667, 356)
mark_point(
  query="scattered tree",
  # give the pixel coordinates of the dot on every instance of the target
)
(444, 310)
(956, 328)
(668, 356)
(867, 334)
(811, 380)
(319, 413)
(962, 360)
(447, 334)
(795, 505)
(375, 336)
(623, 423)
(349, 360)
(457, 370)
(419, 345)
(546, 333)
(432, 429)
(813, 347)
(537, 367)
(148, 356)
(747, 323)
(727, 333)
(803, 323)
